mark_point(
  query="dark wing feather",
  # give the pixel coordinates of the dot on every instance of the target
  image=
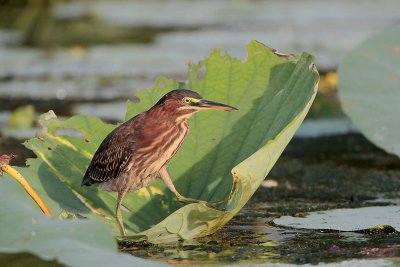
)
(113, 156)
(107, 164)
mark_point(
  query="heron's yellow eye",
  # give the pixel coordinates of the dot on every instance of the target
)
(187, 100)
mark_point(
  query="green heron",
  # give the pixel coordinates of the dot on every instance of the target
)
(137, 152)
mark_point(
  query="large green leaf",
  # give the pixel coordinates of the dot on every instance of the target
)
(369, 83)
(273, 93)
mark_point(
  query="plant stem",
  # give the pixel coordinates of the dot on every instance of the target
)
(17, 176)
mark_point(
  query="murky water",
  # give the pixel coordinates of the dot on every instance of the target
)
(255, 241)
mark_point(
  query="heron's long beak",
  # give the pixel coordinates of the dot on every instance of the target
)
(207, 104)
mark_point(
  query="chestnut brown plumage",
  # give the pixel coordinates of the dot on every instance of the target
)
(137, 152)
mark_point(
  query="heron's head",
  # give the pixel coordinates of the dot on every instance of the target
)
(187, 101)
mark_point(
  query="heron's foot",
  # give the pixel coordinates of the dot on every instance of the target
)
(208, 204)
(221, 201)
(121, 229)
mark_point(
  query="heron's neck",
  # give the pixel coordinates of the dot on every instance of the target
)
(175, 118)
(183, 118)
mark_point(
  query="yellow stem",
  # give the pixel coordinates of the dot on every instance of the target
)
(17, 176)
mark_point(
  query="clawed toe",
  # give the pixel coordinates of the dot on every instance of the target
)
(214, 207)
(210, 205)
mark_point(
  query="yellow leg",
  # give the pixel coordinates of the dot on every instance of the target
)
(118, 213)
(167, 180)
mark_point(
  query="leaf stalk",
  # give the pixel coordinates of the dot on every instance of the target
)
(22, 181)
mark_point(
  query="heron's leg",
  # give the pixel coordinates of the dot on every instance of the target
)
(167, 180)
(118, 213)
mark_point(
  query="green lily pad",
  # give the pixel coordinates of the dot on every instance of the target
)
(346, 219)
(369, 83)
(226, 154)
(79, 242)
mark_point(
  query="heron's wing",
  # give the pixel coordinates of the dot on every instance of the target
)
(107, 164)
(114, 154)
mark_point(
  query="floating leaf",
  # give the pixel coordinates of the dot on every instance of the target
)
(79, 242)
(369, 83)
(22, 117)
(369, 218)
(273, 93)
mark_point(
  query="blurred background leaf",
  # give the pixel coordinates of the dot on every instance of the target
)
(22, 117)
(369, 83)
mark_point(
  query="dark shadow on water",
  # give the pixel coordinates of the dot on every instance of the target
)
(249, 240)
(25, 259)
